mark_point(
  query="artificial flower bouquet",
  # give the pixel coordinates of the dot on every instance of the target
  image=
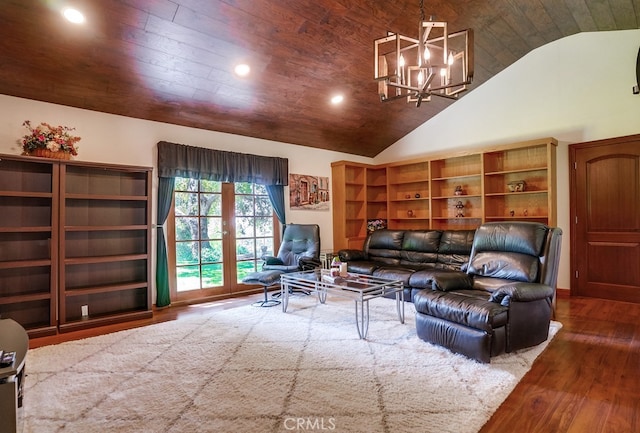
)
(49, 141)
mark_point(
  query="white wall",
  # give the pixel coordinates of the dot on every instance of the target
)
(122, 140)
(575, 89)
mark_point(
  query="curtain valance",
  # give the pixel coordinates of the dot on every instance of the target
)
(179, 160)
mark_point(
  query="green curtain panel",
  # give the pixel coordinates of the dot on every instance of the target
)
(165, 194)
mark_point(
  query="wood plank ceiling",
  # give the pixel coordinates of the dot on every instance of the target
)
(172, 60)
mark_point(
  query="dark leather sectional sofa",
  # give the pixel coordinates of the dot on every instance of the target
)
(410, 255)
(479, 293)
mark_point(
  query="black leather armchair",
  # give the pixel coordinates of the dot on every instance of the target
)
(504, 298)
(299, 251)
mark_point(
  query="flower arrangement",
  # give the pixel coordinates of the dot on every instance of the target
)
(377, 224)
(50, 141)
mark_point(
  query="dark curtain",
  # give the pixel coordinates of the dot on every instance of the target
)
(179, 160)
(165, 194)
(276, 195)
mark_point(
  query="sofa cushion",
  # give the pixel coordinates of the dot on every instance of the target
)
(508, 237)
(470, 308)
(455, 248)
(385, 246)
(508, 265)
(420, 246)
(394, 273)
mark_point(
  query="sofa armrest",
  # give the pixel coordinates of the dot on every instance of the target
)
(308, 263)
(520, 292)
(270, 260)
(351, 255)
(447, 281)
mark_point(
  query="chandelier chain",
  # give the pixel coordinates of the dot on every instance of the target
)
(421, 10)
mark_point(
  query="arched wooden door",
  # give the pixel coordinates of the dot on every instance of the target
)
(605, 215)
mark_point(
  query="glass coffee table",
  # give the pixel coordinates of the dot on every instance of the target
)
(360, 288)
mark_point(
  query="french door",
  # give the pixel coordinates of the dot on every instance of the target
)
(219, 232)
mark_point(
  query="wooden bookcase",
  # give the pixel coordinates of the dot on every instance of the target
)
(28, 240)
(452, 209)
(376, 193)
(105, 244)
(85, 240)
(349, 204)
(531, 164)
(421, 193)
(408, 192)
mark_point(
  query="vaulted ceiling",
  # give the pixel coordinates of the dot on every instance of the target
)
(172, 60)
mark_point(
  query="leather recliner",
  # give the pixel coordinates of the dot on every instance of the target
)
(503, 299)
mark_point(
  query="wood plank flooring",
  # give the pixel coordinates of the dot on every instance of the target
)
(587, 380)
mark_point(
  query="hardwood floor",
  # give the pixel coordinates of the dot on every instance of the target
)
(587, 380)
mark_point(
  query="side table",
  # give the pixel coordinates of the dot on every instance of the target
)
(13, 338)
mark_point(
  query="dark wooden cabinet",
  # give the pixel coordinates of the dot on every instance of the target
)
(75, 242)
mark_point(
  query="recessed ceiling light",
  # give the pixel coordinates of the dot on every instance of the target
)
(73, 15)
(242, 70)
(337, 99)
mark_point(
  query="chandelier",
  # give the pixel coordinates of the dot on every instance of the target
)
(436, 63)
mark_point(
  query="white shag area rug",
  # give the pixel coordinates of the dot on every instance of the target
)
(260, 370)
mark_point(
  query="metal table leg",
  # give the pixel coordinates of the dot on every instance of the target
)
(284, 295)
(362, 318)
(400, 305)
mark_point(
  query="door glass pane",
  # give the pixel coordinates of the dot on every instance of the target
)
(186, 229)
(185, 184)
(210, 186)
(210, 251)
(187, 253)
(244, 205)
(210, 204)
(212, 275)
(188, 278)
(210, 228)
(245, 268)
(186, 203)
(245, 249)
(244, 227)
(264, 227)
(243, 188)
(263, 206)
(264, 247)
